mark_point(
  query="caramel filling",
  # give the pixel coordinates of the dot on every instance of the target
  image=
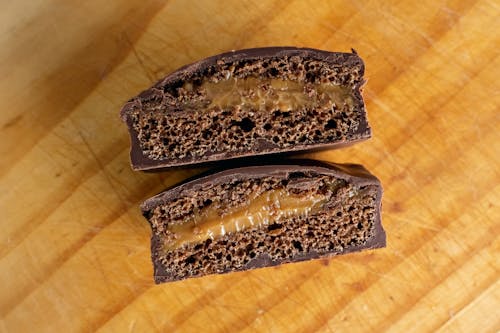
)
(273, 94)
(261, 210)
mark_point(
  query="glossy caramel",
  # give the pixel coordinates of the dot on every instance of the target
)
(265, 209)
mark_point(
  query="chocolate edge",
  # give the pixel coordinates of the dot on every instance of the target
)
(187, 71)
(348, 171)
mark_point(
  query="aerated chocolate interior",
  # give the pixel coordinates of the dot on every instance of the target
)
(248, 102)
(259, 216)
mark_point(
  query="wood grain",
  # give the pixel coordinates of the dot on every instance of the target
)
(74, 250)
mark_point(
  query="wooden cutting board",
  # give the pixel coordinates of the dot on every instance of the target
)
(74, 249)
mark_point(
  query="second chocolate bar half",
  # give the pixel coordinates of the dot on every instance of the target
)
(249, 217)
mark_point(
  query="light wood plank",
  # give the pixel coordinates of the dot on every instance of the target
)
(74, 250)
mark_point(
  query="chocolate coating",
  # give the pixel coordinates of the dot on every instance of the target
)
(352, 173)
(140, 161)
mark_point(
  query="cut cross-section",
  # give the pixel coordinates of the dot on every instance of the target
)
(258, 216)
(248, 102)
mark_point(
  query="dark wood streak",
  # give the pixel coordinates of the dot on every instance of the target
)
(57, 94)
(13, 121)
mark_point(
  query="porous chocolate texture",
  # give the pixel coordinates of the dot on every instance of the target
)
(246, 103)
(259, 216)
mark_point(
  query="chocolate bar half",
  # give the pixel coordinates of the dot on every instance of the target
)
(258, 216)
(248, 102)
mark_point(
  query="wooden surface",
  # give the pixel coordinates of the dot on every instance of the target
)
(74, 250)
